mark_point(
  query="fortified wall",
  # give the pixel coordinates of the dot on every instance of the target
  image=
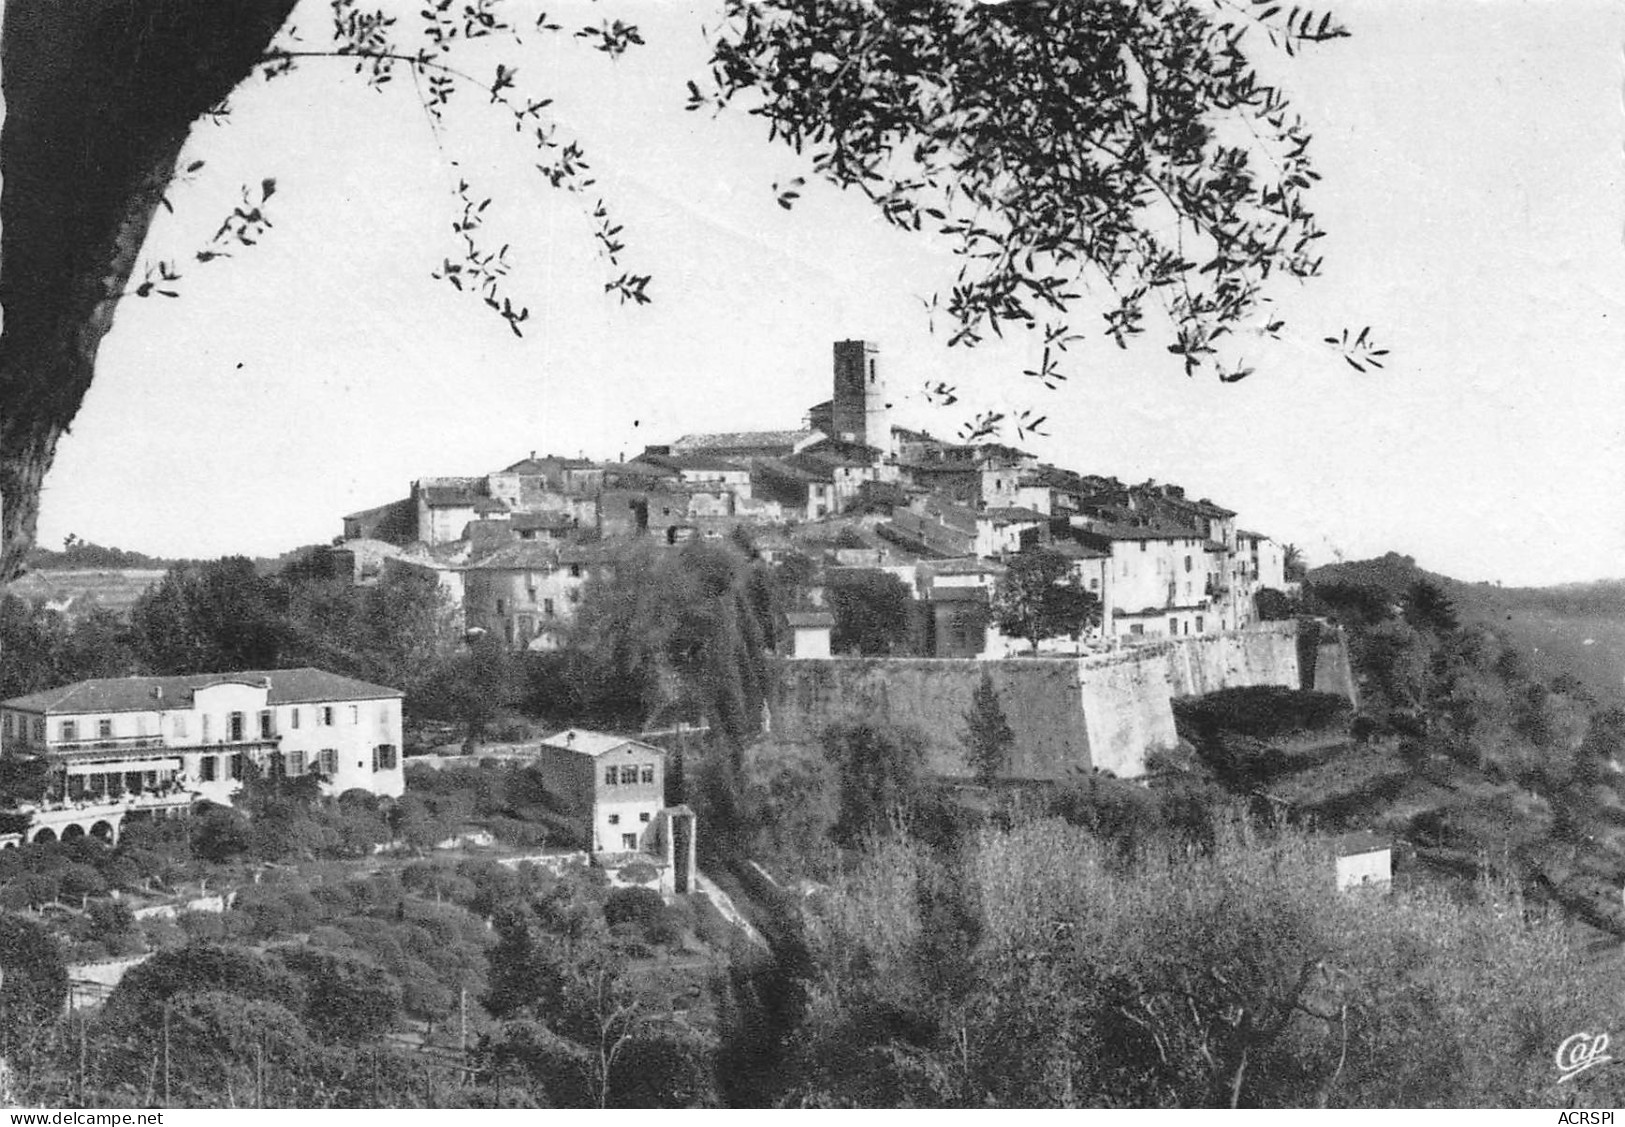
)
(1070, 715)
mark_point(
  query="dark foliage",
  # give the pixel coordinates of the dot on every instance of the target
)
(36, 981)
(1041, 597)
(879, 768)
(873, 613)
(987, 737)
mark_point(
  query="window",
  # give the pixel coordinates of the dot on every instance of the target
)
(502, 606)
(104, 729)
(629, 775)
(383, 757)
(1187, 563)
(610, 776)
(329, 760)
(1142, 545)
(547, 607)
(1094, 584)
(267, 728)
(1173, 626)
(614, 819)
(207, 769)
(629, 842)
(234, 726)
(293, 717)
(69, 730)
(575, 571)
(1198, 624)
(648, 772)
(8, 722)
(237, 766)
(327, 715)
(296, 762)
(355, 714)
(39, 730)
(1137, 628)
(643, 817)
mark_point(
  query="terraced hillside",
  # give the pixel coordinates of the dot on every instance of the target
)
(76, 592)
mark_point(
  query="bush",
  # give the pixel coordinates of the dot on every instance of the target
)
(668, 928)
(160, 932)
(1260, 711)
(710, 926)
(639, 872)
(512, 831)
(347, 997)
(641, 906)
(35, 985)
(140, 996)
(202, 925)
(108, 918)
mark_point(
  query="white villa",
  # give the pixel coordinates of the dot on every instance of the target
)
(151, 746)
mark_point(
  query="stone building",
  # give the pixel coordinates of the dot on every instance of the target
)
(613, 788)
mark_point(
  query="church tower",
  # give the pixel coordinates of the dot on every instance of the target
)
(861, 408)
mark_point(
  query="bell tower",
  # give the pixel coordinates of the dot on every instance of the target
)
(861, 407)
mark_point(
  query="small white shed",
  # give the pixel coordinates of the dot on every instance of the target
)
(1363, 859)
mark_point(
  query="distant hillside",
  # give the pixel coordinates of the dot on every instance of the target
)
(76, 592)
(82, 555)
(84, 577)
(1574, 628)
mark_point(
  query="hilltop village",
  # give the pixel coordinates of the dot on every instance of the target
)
(853, 492)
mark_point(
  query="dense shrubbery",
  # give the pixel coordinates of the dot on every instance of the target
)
(1261, 711)
(1033, 969)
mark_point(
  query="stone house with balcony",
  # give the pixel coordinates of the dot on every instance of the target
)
(151, 746)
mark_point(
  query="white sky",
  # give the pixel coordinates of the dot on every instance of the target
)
(1473, 197)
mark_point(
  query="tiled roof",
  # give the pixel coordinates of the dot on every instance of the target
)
(139, 694)
(963, 565)
(1111, 531)
(542, 520)
(696, 463)
(545, 463)
(741, 440)
(594, 744)
(1243, 534)
(526, 555)
(377, 509)
(1072, 550)
(637, 468)
(448, 497)
(596, 551)
(1360, 841)
(1012, 515)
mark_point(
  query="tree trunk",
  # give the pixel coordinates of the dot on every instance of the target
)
(100, 96)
